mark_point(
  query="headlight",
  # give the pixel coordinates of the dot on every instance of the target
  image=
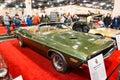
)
(3, 72)
(89, 57)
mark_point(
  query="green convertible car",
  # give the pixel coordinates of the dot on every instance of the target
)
(64, 47)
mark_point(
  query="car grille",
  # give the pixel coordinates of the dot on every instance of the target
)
(106, 52)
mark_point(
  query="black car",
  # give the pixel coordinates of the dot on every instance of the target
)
(81, 27)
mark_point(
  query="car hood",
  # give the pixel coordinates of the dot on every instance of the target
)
(77, 44)
(107, 32)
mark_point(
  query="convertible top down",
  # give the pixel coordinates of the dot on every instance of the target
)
(66, 48)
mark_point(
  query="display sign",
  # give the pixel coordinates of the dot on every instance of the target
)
(118, 41)
(97, 68)
(18, 78)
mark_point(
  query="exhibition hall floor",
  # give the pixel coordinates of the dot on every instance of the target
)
(33, 66)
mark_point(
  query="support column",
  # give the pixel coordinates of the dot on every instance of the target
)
(116, 10)
(28, 10)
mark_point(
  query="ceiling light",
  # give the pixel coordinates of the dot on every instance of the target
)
(81, 4)
(101, 4)
(16, 6)
(33, 1)
(94, 3)
(89, 5)
(108, 5)
(3, 5)
(40, 4)
(8, 1)
(85, 1)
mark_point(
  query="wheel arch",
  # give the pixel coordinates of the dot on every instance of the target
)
(51, 51)
(99, 34)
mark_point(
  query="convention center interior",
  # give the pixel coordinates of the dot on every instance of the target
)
(59, 39)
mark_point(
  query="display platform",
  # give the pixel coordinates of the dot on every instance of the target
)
(33, 66)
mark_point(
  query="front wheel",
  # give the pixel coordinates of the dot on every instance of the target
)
(59, 63)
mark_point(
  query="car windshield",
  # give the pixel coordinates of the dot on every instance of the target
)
(55, 25)
(47, 28)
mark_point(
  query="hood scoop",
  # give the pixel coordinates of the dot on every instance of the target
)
(73, 38)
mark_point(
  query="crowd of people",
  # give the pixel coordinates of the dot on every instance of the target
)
(16, 21)
(28, 20)
(110, 22)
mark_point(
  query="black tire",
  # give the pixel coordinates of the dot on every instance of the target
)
(59, 63)
(20, 42)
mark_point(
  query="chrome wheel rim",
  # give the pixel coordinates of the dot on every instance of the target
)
(58, 62)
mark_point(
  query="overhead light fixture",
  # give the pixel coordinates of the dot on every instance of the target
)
(85, 1)
(101, 4)
(33, 1)
(94, 3)
(89, 5)
(16, 6)
(40, 4)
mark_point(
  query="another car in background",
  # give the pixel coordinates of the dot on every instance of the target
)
(65, 48)
(106, 32)
(80, 27)
(90, 17)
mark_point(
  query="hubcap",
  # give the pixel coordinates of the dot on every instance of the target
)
(58, 62)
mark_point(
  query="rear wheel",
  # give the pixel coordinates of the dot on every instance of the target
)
(59, 63)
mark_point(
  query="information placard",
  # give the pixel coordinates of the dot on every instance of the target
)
(18, 78)
(118, 41)
(97, 68)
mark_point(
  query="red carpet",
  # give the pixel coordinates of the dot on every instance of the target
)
(3, 29)
(33, 66)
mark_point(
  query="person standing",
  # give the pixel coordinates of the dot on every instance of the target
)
(107, 20)
(6, 20)
(36, 19)
(17, 21)
(116, 22)
(28, 21)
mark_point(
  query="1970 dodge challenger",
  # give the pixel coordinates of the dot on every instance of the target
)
(66, 48)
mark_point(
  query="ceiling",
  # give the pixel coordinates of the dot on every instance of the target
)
(102, 4)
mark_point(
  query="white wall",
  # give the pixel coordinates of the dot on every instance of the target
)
(116, 10)
(73, 9)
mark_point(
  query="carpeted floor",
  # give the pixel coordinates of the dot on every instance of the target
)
(33, 66)
(3, 30)
(3, 34)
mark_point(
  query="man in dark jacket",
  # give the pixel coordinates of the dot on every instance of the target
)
(107, 20)
(116, 23)
(17, 21)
